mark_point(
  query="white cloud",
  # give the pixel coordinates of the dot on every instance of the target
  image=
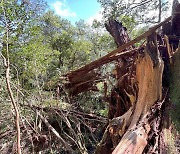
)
(98, 16)
(62, 9)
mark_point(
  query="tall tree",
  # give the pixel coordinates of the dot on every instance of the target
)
(21, 17)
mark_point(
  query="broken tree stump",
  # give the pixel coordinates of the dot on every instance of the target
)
(149, 71)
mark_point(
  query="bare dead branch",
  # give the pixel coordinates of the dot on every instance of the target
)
(67, 147)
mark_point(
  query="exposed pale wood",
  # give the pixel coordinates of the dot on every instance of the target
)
(168, 48)
(149, 84)
(134, 142)
(149, 69)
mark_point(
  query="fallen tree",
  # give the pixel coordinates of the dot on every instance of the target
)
(136, 103)
(139, 100)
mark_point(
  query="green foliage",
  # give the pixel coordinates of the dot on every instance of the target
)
(33, 60)
(141, 11)
(128, 21)
(19, 15)
(103, 112)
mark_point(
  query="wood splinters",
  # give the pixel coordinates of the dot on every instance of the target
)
(131, 97)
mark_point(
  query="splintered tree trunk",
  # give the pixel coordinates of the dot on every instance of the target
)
(119, 101)
(135, 103)
(128, 132)
(149, 71)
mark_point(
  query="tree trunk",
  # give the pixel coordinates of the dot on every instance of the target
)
(118, 32)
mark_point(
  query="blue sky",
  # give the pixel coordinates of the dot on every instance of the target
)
(74, 10)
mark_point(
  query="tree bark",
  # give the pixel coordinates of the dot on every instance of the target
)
(118, 32)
